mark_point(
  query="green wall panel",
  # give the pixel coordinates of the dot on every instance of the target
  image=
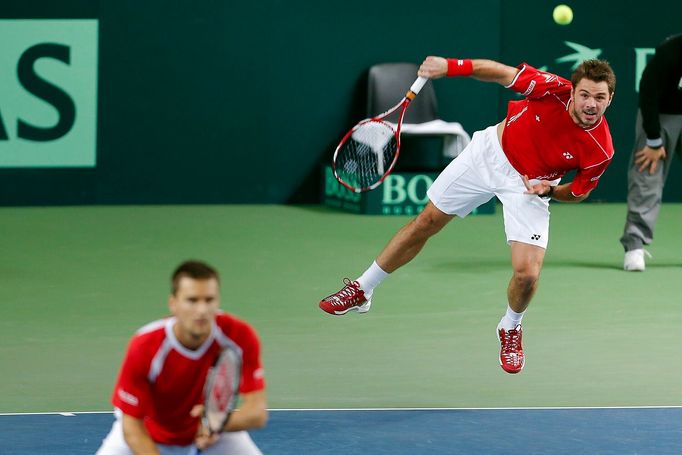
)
(241, 102)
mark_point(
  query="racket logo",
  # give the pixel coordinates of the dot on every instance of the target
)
(222, 388)
(368, 152)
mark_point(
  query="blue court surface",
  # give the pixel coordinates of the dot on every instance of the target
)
(643, 430)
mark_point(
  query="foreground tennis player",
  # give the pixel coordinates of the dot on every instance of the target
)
(159, 390)
(558, 127)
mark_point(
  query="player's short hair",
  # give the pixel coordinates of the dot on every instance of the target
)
(597, 71)
(196, 270)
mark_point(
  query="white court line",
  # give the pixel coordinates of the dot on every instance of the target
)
(61, 413)
(538, 408)
(531, 408)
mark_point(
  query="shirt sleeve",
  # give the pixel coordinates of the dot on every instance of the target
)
(132, 390)
(587, 179)
(533, 83)
(253, 378)
(650, 86)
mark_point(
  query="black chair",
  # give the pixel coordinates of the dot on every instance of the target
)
(387, 84)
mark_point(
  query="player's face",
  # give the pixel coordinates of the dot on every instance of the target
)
(590, 100)
(194, 305)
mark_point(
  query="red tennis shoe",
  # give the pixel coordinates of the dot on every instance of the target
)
(349, 298)
(512, 359)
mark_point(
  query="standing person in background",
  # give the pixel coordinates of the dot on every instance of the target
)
(159, 393)
(658, 136)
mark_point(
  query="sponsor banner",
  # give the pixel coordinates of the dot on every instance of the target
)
(48, 93)
(401, 193)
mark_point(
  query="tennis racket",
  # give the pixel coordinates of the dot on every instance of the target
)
(368, 152)
(221, 390)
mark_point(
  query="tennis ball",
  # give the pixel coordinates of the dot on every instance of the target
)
(563, 14)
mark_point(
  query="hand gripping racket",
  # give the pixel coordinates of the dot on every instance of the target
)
(221, 390)
(368, 152)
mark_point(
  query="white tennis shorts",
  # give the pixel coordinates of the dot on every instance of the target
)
(232, 443)
(482, 171)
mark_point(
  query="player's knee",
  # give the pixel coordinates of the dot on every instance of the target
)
(527, 277)
(428, 223)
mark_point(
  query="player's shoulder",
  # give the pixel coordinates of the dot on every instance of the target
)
(533, 83)
(235, 328)
(151, 333)
(528, 71)
(229, 320)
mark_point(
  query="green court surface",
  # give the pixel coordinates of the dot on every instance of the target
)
(76, 282)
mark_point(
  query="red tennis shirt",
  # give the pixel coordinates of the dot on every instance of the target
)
(161, 380)
(542, 141)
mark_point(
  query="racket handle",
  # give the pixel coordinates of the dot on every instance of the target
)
(418, 84)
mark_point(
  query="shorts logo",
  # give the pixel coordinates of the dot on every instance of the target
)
(535, 237)
(568, 156)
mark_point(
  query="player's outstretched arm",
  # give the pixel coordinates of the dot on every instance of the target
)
(137, 438)
(252, 412)
(481, 69)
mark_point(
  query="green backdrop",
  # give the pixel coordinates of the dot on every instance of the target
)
(240, 102)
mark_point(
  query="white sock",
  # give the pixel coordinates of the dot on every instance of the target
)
(372, 277)
(511, 319)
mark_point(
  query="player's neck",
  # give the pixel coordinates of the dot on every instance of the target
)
(188, 340)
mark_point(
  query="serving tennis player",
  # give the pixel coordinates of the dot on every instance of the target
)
(557, 127)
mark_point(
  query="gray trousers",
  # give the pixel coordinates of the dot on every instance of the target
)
(645, 190)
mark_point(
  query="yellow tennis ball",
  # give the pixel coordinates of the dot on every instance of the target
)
(563, 14)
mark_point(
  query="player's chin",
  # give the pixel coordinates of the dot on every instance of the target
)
(590, 119)
(201, 328)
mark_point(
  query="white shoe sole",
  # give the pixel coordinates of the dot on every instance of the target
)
(364, 308)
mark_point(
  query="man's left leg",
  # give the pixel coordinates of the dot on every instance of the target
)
(526, 263)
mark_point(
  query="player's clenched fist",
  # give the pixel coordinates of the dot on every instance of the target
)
(433, 67)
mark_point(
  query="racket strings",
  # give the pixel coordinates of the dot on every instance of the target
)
(221, 389)
(367, 154)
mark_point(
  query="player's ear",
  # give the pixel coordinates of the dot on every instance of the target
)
(172, 302)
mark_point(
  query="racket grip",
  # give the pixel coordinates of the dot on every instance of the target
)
(418, 84)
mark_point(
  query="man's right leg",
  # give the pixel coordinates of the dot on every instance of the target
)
(461, 187)
(401, 249)
(410, 240)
